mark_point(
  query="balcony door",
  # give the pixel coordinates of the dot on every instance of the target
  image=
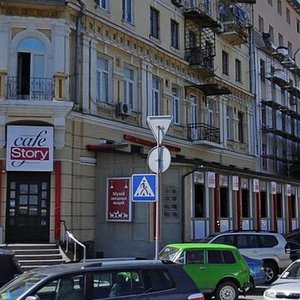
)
(31, 82)
(28, 207)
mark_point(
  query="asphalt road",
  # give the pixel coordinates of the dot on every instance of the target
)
(257, 294)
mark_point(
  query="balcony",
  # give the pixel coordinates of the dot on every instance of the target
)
(204, 133)
(201, 12)
(200, 59)
(29, 88)
(235, 24)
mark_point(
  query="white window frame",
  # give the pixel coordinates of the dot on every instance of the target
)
(130, 87)
(128, 11)
(103, 4)
(176, 105)
(101, 74)
(156, 95)
(229, 122)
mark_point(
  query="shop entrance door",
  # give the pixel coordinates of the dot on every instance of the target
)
(28, 207)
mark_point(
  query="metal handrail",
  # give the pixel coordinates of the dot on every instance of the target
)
(67, 236)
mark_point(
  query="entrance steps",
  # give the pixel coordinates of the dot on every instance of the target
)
(32, 256)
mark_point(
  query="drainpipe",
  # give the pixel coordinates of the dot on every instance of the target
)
(78, 53)
(183, 204)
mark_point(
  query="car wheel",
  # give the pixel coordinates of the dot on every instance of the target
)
(226, 291)
(271, 272)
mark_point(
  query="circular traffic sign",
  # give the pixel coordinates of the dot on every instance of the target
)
(159, 159)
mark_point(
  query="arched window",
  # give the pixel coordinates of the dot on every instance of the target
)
(31, 81)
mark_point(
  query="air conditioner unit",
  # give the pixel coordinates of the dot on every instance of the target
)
(178, 3)
(123, 109)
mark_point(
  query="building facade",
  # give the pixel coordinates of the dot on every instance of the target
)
(78, 80)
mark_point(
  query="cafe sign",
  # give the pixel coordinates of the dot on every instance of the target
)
(29, 148)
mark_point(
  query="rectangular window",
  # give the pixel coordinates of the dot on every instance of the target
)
(127, 11)
(154, 22)
(224, 205)
(262, 70)
(279, 7)
(260, 24)
(288, 15)
(264, 159)
(225, 63)
(129, 87)
(229, 122)
(155, 96)
(103, 4)
(199, 201)
(298, 26)
(238, 70)
(103, 79)
(280, 39)
(271, 32)
(174, 34)
(176, 105)
(290, 49)
(241, 127)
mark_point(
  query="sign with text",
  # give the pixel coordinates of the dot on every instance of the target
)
(29, 148)
(118, 204)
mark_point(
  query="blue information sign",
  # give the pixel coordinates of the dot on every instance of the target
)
(144, 187)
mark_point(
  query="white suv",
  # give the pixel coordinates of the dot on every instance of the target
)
(269, 246)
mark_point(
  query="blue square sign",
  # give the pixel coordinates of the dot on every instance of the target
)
(144, 187)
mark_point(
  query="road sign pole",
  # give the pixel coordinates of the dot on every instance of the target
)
(158, 195)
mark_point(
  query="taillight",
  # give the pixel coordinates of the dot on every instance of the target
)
(287, 249)
(198, 296)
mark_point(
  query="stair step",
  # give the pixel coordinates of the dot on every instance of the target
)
(40, 262)
(32, 256)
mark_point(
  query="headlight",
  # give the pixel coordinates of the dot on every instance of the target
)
(270, 293)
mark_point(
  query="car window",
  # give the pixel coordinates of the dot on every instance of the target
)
(158, 280)
(63, 288)
(292, 272)
(215, 257)
(195, 257)
(268, 241)
(221, 257)
(228, 257)
(105, 284)
(225, 239)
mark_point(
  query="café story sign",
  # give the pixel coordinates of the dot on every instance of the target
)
(118, 204)
(29, 148)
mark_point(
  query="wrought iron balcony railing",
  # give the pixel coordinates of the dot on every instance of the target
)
(205, 132)
(20, 88)
(199, 58)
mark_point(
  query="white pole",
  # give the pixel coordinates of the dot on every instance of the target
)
(158, 195)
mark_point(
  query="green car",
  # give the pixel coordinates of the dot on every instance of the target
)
(218, 270)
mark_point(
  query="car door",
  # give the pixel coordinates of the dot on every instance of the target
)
(196, 267)
(249, 245)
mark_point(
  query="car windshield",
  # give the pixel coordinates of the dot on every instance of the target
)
(292, 272)
(168, 253)
(18, 286)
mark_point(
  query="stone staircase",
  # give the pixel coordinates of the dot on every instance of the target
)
(37, 255)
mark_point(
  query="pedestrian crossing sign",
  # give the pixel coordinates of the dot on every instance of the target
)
(144, 187)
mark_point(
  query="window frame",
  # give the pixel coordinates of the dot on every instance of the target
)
(154, 23)
(225, 62)
(103, 4)
(238, 70)
(174, 34)
(176, 105)
(128, 11)
(102, 72)
(130, 87)
(155, 96)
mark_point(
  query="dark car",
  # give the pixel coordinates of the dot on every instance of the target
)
(9, 266)
(117, 279)
(293, 240)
